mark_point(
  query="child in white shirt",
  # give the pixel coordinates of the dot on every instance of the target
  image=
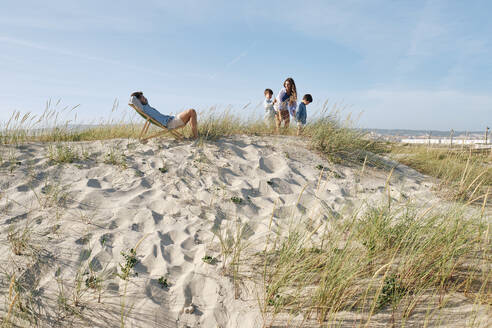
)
(269, 110)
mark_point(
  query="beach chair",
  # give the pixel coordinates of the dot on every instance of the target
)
(137, 106)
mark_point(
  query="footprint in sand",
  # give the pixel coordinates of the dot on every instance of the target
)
(197, 300)
(107, 240)
(23, 188)
(266, 164)
(280, 186)
(188, 243)
(173, 254)
(165, 238)
(94, 183)
(113, 225)
(84, 240)
(95, 264)
(84, 254)
(157, 217)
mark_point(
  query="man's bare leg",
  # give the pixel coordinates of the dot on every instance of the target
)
(190, 116)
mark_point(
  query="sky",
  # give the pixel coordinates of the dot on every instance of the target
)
(392, 64)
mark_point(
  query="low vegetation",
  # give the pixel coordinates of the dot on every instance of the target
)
(340, 142)
(61, 153)
(236, 200)
(232, 247)
(127, 267)
(19, 239)
(163, 283)
(209, 259)
(115, 157)
(464, 174)
(399, 259)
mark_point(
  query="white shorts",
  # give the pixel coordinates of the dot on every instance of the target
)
(175, 123)
(269, 116)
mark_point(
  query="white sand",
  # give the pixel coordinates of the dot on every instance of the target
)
(108, 209)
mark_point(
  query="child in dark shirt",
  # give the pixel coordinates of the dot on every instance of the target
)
(301, 113)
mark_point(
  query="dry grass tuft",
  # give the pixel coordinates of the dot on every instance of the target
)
(464, 175)
(397, 259)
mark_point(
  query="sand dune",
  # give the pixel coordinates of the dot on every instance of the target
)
(170, 196)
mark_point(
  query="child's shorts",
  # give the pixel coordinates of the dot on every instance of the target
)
(269, 116)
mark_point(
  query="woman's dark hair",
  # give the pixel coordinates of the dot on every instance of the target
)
(137, 94)
(307, 97)
(293, 90)
(269, 91)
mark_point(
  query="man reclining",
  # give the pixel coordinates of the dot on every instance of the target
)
(170, 122)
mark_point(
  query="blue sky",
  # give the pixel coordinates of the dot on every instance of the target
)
(403, 64)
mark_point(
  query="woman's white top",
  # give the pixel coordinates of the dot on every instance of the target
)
(283, 102)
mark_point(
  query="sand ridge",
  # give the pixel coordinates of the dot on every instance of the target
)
(170, 196)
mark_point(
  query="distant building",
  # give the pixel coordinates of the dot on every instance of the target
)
(443, 141)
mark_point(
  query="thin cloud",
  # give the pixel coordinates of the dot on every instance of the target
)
(68, 53)
(238, 58)
(235, 60)
(63, 52)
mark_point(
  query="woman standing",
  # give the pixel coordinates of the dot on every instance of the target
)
(286, 103)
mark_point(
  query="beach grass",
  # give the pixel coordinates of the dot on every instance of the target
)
(395, 260)
(389, 257)
(463, 174)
